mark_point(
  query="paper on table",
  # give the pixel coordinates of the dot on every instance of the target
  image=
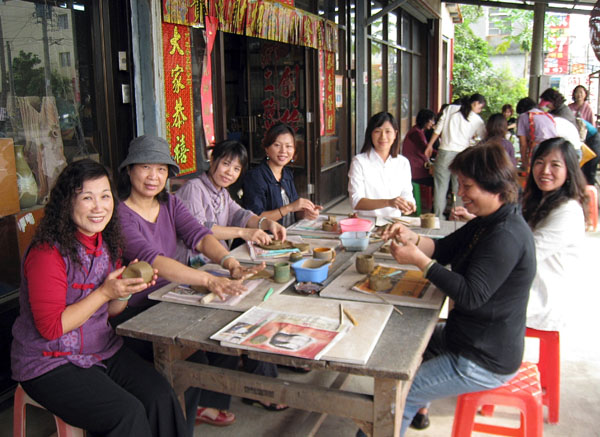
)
(185, 294)
(304, 336)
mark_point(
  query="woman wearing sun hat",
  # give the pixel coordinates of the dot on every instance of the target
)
(153, 221)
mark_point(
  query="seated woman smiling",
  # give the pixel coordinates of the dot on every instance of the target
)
(209, 201)
(64, 353)
(492, 260)
(153, 222)
(379, 180)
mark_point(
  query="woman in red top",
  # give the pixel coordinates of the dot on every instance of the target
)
(64, 353)
(414, 145)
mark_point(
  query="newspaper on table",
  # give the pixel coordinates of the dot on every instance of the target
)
(405, 283)
(186, 294)
(299, 335)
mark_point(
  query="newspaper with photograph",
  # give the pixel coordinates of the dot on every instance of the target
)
(299, 335)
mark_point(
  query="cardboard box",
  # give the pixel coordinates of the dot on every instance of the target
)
(9, 193)
(16, 233)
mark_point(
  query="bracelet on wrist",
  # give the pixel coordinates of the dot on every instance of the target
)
(124, 298)
(225, 258)
(282, 214)
(427, 267)
(262, 219)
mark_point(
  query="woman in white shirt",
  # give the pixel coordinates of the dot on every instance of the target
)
(379, 181)
(554, 206)
(458, 128)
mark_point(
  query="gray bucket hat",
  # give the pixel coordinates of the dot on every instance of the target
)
(148, 149)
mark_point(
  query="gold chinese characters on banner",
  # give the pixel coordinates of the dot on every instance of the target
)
(178, 96)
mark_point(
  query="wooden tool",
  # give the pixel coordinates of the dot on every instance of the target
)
(388, 302)
(350, 316)
(208, 298)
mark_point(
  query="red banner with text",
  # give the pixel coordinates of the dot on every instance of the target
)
(178, 96)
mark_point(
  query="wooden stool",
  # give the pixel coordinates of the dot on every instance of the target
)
(592, 193)
(523, 392)
(20, 420)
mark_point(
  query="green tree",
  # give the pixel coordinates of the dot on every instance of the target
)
(473, 71)
(29, 78)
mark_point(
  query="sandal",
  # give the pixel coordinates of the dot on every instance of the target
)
(420, 421)
(224, 418)
(270, 407)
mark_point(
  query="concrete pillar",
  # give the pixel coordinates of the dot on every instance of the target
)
(537, 44)
(362, 109)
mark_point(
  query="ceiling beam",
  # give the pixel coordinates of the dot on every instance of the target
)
(381, 13)
(529, 7)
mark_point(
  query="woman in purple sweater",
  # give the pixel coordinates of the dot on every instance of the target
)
(153, 221)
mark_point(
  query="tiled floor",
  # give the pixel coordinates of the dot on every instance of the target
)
(580, 378)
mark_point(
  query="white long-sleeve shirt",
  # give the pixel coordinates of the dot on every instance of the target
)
(456, 133)
(371, 178)
(558, 243)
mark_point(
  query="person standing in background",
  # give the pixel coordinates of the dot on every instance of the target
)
(457, 128)
(580, 107)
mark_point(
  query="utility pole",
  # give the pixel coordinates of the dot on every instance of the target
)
(537, 44)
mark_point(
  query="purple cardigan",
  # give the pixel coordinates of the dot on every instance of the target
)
(33, 355)
(145, 240)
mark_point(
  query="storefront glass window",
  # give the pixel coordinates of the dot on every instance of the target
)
(47, 87)
(376, 81)
(392, 93)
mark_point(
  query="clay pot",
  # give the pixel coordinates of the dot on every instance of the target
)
(139, 269)
(325, 253)
(295, 256)
(282, 272)
(365, 264)
(380, 283)
(428, 220)
(329, 226)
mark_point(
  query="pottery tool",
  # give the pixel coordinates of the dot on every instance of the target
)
(389, 303)
(397, 272)
(350, 316)
(341, 316)
(268, 294)
(208, 298)
(453, 206)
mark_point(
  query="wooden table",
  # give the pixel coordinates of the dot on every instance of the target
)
(176, 331)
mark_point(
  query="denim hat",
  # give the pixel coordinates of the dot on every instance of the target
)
(149, 149)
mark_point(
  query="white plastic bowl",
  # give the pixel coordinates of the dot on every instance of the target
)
(355, 241)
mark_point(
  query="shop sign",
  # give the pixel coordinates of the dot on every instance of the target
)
(557, 60)
(178, 96)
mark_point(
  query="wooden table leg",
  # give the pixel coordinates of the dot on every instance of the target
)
(165, 355)
(388, 406)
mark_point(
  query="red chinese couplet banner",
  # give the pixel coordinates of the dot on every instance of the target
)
(178, 95)
(327, 91)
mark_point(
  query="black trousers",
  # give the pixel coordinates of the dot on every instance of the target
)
(127, 398)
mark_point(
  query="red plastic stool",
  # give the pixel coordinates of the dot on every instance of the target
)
(549, 367)
(592, 193)
(523, 392)
(19, 417)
